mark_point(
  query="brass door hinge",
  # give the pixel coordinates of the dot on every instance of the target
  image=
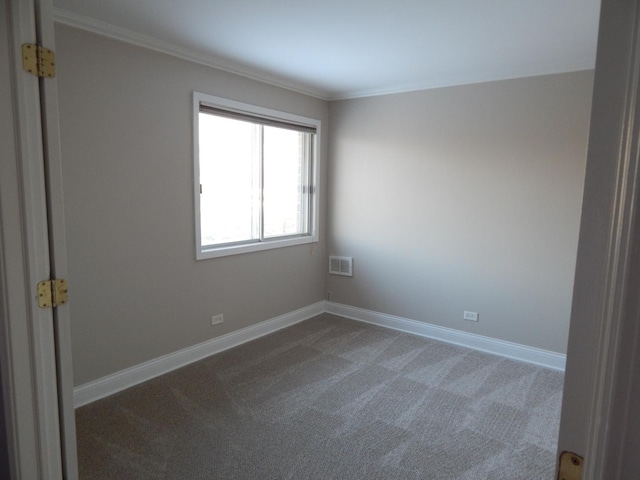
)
(571, 466)
(52, 293)
(38, 61)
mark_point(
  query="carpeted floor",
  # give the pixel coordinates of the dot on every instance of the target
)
(330, 398)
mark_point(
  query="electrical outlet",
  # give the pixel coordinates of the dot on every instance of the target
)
(328, 295)
(471, 316)
(217, 319)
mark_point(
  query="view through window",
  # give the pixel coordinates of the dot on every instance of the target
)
(255, 179)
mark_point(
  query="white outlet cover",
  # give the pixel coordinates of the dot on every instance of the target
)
(217, 319)
(471, 316)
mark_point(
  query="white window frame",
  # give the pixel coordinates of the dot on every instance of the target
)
(208, 251)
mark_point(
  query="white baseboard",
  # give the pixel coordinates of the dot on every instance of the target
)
(544, 358)
(105, 386)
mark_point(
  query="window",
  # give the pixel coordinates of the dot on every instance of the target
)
(255, 177)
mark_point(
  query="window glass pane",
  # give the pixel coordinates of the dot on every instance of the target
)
(284, 178)
(230, 178)
(254, 174)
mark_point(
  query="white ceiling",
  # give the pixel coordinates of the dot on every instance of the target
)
(348, 48)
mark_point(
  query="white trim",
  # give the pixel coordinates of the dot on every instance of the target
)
(82, 22)
(57, 247)
(71, 19)
(607, 282)
(204, 253)
(459, 81)
(27, 350)
(537, 356)
(105, 386)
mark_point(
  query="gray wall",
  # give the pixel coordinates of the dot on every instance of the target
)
(4, 446)
(136, 291)
(463, 198)
(7, 133)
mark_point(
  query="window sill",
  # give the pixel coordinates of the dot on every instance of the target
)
(215, 252)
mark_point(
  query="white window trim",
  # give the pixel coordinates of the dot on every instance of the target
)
(222, 251)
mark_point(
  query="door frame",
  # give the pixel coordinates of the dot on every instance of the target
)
(57, 243)
(27, 332)
(603, 332)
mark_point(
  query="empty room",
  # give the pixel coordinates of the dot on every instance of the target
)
(323, 240)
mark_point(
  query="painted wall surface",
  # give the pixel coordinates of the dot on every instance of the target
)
(136, 290)
(7, 148)
(463, 198)
(4, 446)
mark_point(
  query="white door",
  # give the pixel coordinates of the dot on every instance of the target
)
(35, 349)
(57, 243)
(603, 374)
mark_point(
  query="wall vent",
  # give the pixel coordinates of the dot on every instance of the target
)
(341, 266)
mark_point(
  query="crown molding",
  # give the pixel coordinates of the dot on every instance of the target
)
(459, 81)
(82, 22)
(75, 20)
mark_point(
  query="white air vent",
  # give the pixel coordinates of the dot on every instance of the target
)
(341, 266)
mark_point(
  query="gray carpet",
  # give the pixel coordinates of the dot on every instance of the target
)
(330, 398)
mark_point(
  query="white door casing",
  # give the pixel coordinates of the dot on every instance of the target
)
(57, 242)
(603, 337)
(27, 353)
